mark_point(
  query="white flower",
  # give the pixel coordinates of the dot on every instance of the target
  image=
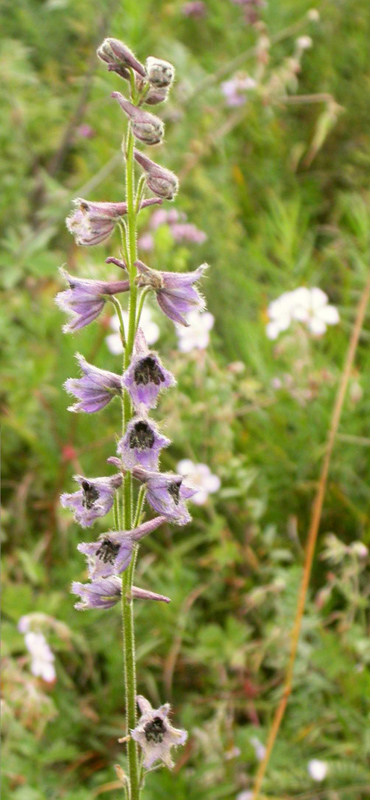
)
(304, 42)
(42, 657)
(155, 734)
(201, 476)
(24, 624)
(244, 796)
(149, 327)
(309, 306)
(259, 748)
(317, 769)
(196, 336)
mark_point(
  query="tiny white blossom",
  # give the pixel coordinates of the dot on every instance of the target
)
(199, 475)
(196, 336)
(309, 306)
(244, 796)
(42, 657)
(304, 42)
(259, 748)
(317, 769)
(150, 329)
(155, 734)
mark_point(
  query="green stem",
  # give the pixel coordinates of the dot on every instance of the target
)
(128, 575)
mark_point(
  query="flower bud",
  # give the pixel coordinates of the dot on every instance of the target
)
(145, 126)
(119, 58)
(155, 96)
(160, 73)
(160, 180)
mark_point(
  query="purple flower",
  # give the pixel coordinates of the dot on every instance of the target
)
(119, 58)
(94, 498)
(166, 493)
(145, 126)
(95, 389)
(175, 292)
(186, 232)
(85, 299)
(141, 444)
(146, 375)
(195, 8)
(91, 223)
(112, 553)
(106, 592)
(155, 734)
(161, 181)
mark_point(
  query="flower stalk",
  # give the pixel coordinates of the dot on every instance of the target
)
(111, 558)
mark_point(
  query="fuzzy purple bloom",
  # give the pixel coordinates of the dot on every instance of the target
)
(106, 592)
(155, 734)
(161, 181)
(146, 375)
(92, 223)
(119, 58)
(175, 292)
(95, 389)
(166, 493)
(112, 553)
(94, 498)
(145, 126)
(85, 299)
(141, 444)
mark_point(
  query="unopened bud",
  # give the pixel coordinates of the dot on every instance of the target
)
(145, 126)
(119, 58)
(160, 73)
(160, 180)
(155, 96)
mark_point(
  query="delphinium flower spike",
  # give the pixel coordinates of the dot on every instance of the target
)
(112, 556)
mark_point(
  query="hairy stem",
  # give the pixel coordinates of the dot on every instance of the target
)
(128, 575)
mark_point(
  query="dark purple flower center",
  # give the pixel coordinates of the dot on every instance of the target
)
(174, 491)
(107, 551)
(155, 730)
(141, 436)
(90, 494)
(148, 371)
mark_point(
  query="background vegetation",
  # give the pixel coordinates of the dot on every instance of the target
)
(282, 191)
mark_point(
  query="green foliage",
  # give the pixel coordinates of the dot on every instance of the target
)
(282, 194)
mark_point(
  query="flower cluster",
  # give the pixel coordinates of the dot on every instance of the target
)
(110, 558)
(309, 306)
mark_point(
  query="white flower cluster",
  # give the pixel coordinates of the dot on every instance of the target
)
(309, 306)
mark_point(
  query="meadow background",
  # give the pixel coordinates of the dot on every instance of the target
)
(281, 190)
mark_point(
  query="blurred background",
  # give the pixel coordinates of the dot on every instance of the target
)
(267, 127)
